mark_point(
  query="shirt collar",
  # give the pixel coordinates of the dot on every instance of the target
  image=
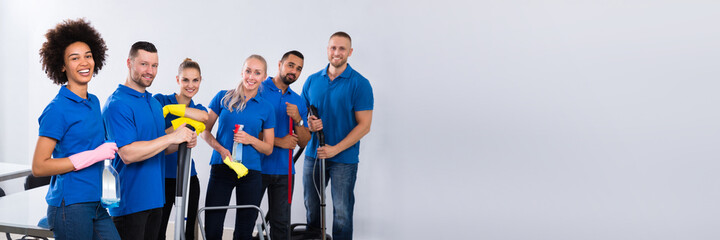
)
(133, 92)
(270, 84)
(256, 98)
(65, 92)
(173, 100)
(344, 74)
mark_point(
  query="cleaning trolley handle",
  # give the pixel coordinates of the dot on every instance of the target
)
(320, 134)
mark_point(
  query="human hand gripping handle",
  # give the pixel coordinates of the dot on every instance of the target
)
(314, 123)
(293, 112)
(183, 134)
(314, 120)
(85, 159)
(288, 141)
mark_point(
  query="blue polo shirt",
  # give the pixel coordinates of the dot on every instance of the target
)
(257, 115)
(337, 101)
(77, 126)
(132, 116)
(171, 159)
(277, 162)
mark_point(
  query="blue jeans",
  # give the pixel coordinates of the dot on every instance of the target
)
(81, 221)
(248, 191)
(343, 177)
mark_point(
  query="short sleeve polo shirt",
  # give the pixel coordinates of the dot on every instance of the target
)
(132, 116)
(277, 162)
(337, 101)
(77, 126)
(257, 115)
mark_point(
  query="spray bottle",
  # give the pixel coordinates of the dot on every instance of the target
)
(237, 147)
(110, 186)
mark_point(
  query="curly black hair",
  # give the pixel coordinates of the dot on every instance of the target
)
(59, 38)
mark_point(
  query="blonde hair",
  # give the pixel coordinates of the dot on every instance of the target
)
(234, 99)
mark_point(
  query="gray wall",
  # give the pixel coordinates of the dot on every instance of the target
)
(493, 119)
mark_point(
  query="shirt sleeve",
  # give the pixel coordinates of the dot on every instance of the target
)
(302, 108)
(363, 98)
(52, 123)
(216, 102)
(304, 93)
(119, 124)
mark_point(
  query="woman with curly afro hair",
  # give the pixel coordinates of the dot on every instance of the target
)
(71, 141)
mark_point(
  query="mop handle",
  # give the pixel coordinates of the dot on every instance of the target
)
(183, 154)
(290, 165)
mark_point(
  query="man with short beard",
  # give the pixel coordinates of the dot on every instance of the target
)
(289, 106)
(134, 120)
(344, 100)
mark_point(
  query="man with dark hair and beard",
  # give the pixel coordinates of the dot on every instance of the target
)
(289, 106)
(134, 120)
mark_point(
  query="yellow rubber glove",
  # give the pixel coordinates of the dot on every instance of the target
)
(175, 109)
(239, 168)
(199, 126)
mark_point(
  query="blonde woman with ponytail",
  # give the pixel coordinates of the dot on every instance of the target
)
(180, 104)
(240, 106)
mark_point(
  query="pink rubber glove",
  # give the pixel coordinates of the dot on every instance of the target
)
(85, 159)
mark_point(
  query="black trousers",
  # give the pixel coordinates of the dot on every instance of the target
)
(278, 207)
(192, 207)
(248, 191)
(139, 225)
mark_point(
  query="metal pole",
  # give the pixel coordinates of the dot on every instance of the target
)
(203, 209)
(322, 198)
(321, 142)
(181, 186)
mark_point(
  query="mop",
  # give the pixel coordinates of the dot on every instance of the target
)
(290, 186)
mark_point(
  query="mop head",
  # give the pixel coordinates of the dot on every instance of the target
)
(239, 168)
(199, 126)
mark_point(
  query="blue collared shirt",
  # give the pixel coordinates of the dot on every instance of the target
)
(257, 115)
(132, 116)
(277, 162)
(77, 126)
(171, 159)
(337, 101)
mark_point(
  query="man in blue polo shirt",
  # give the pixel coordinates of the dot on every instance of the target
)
(344, 100)
(289, 107)
(134, 120)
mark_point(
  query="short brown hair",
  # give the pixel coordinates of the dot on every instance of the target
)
(141, 45)
(52, 53)
(341, 34)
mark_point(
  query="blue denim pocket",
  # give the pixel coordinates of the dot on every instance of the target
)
(51, 216)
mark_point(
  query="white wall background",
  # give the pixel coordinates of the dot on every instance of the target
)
(493, 119)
